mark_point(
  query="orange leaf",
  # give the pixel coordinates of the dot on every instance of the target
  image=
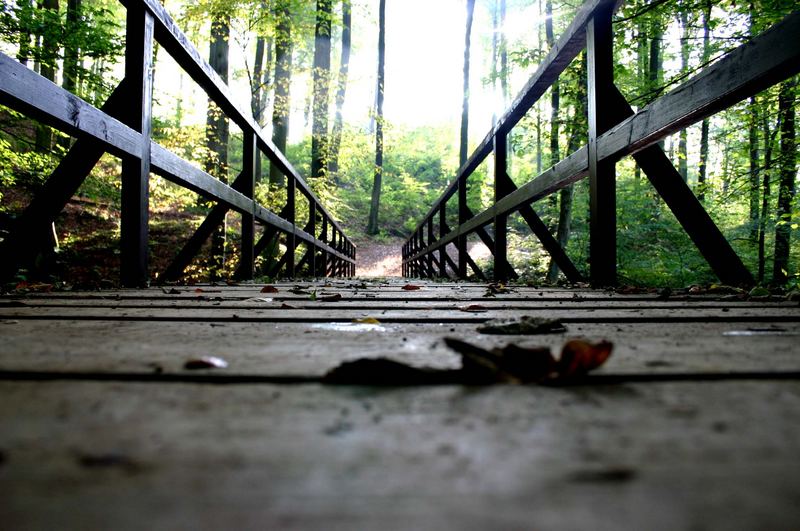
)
(199, 290)
(411, 287)
(269, 289)
(473, 308)
(579, 357)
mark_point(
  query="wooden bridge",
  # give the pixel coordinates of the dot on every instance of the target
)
(212, 406)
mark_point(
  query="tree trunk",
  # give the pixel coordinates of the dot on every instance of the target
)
(71, 49)
(322, 73)
(555, 92)
(788, 175)
(683, 163)
(48, 66)
(256, 81)
(282, 82)
(26, 7)
(341, 91)
(754, 161)
(372, 226)
(566, 194)
(464, 145)
(702, 167)
(765, 195)
(217, 131)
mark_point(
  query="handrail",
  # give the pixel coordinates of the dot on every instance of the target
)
(110, 130)
(766, 60)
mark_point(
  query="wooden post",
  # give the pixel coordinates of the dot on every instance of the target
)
(430, 241)
(291, 241)
(500, 221)
(136, 170)
(325, 239)
(312, 226)
(463, 216)
(442, 232)
(602, 177)
(247, 187)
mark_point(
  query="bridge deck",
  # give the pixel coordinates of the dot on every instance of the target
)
(694, 422)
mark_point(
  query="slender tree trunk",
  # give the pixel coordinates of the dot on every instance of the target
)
(754, 161)
(555, 92)
(786, 189)
(26, 8)
(765, 195)
(322, 74)
(256, 81)
(504, 58)
(702, 167)
(464, 146)
(48, 66)
(71, 48)
(683, 163)
(641, 74)
(566, 194)
(282, 82)
(372, 226)
(341, 90)
(217, 131)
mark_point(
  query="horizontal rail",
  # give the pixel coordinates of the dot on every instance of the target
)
(568, 46)
(750, 68)
(43, 100)
(178, 45)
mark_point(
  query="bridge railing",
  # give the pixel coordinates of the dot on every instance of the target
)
(614, 131)
(123, 127)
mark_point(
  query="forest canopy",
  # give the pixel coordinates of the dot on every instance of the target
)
(370, 95)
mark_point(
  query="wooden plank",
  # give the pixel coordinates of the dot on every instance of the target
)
(259, 456)
(25, 91)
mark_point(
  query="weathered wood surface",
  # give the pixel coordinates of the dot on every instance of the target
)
(694, 422)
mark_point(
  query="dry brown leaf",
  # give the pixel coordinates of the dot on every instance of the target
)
(199, 290)
(288, 306)
(330, 298)
(578, 357)
(269, 289)
(411, 287)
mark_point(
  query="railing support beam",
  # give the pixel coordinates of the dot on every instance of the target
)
(602, 173)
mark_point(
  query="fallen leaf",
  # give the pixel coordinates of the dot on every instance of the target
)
(366, 320)
(288, 306)
(473, 308)
(331, 298)
(231, 283)
(108, 461)
(411, 287)
(496, 288)
(578, 357)
(172, 291)
(269, 289)
(205, 362)
(297, 290)
(524, 325)
(199, 290)
(259, 299)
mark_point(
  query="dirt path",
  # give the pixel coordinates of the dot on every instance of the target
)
(378, 259)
